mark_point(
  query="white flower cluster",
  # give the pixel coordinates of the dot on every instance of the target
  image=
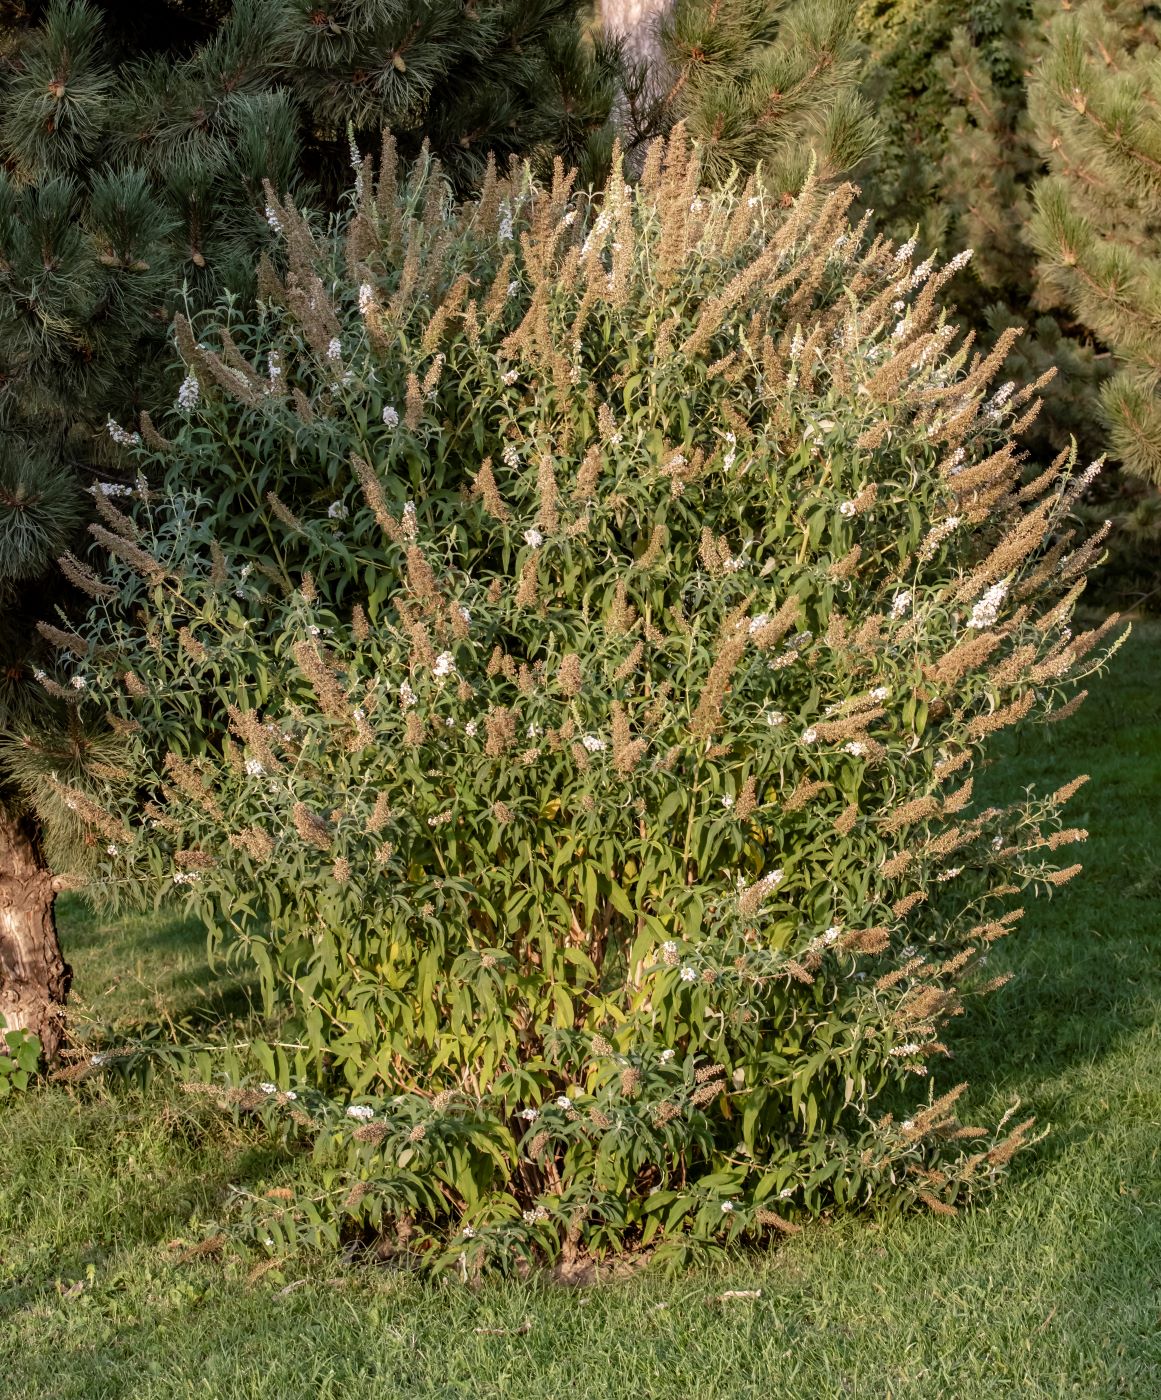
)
(337, 510)
(986, 611)
(391, 416)
(335, 349)
(273, 220)
(533, 538)
(593, 743)
(121, 436)
(445, 665)
(366, 298)
(901, 603)
(361, 1112)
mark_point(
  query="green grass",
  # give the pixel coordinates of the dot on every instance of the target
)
(1052, 1289)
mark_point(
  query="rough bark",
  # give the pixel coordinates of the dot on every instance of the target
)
(34, 977)
(637, 23)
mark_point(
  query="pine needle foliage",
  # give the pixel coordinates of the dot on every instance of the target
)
(567, 686)
(955, 168)
(1097, 223)
(755, 83)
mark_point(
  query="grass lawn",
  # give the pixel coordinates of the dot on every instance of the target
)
(1052, 1289)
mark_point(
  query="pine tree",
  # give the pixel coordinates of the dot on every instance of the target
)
(770, 83)
(1094, 101)
(133, 146)
(956, 165)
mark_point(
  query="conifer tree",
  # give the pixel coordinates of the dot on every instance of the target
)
(756, 82)
(1094, 100)
(133, 146)
(955, 168)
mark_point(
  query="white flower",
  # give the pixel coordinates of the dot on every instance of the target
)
(785, 1193)
(727, 801)
(186, 877)
(113, 850)
(534, 731)
(593, 743)
(40, 675)
(757, 623)
(268, 1242)
(688, 974)
(314, 631)
(669, 946)
(470, 728)
(727, 1206)
(337, 510)
(505, 230)
(904, 251)
(530, 1115)
(797, 345)
(468, 1233)
(997, 842)
(188, 392)
(120, 436)
(753, 202)
(335, 349)
(856, 748)
(696, 207)
(960, 260)
(537, 1213)
(848, 509)
(775, 718)
(366, 297)
(362, 1112)
(391, 416)
(467, 617)
(290, 1094)
(254, 768)
(510, 377)
(832, 935)
(666, 1056)
(570, 218)
(445, 665)
(910, 1048)
(880, 692)
(406, 695)
(564, 1102)
(809, 736)
(986, 611)
(269, 1088)
(533, 538)
(273, 220)
(78, 683)
(98, 1060)
(513, 289)
(900, 603)
(410, 520)
(907, 1125)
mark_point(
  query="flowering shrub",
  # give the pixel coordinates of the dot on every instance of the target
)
(567, 683)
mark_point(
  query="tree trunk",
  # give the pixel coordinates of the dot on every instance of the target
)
(34, 977)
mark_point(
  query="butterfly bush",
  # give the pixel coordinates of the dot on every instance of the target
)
(565, 679)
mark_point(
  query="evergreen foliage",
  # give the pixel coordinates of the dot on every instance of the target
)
(567, 685)
(948, 84)
(770, 83)
(1097, 222)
